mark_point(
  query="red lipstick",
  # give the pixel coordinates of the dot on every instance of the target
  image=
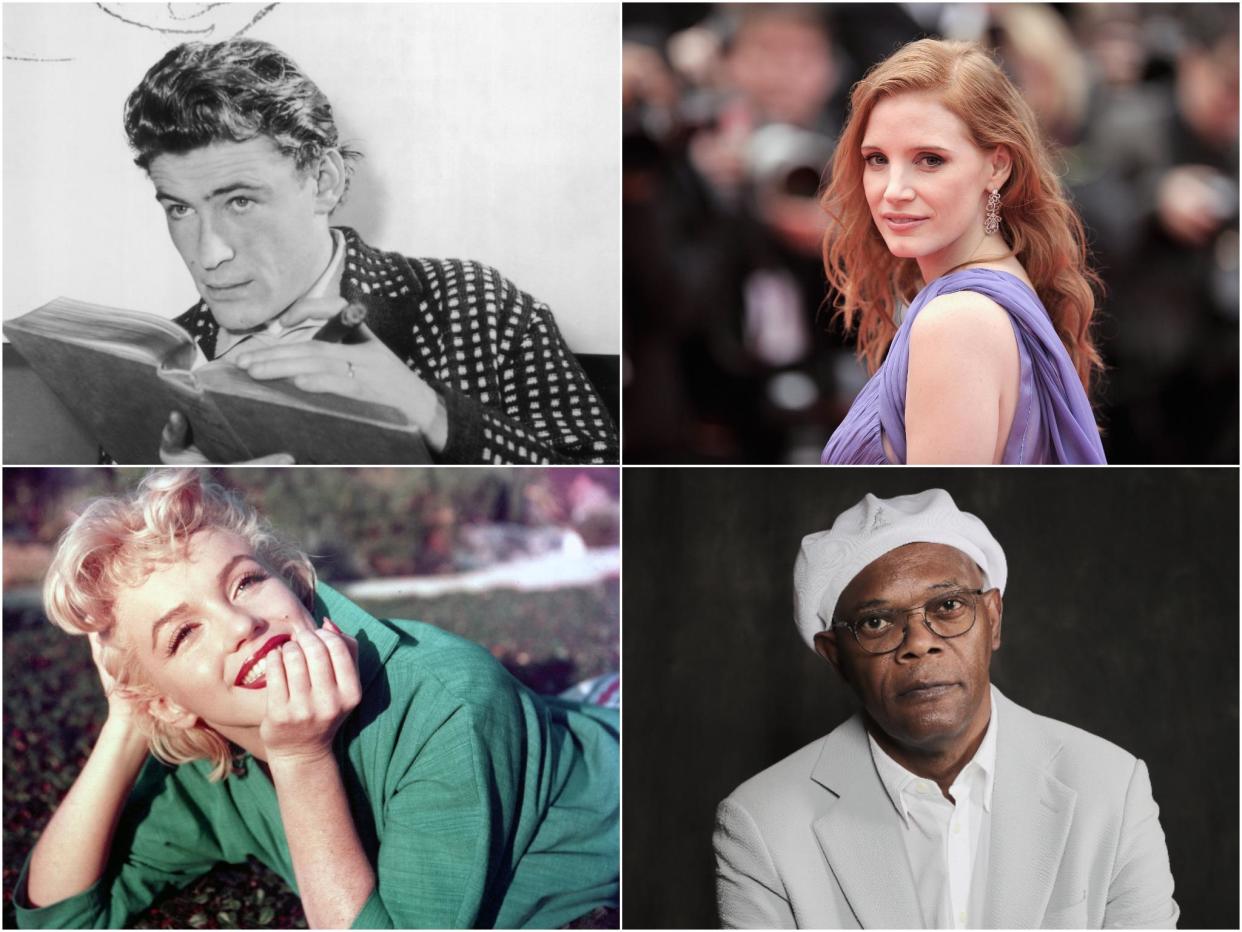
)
(271, 644)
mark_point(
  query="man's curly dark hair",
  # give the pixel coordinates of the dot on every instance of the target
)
(235, 90)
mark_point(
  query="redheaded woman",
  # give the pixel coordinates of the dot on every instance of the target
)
(962, 265)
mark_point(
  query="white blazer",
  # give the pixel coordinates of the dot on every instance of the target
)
(813, 841)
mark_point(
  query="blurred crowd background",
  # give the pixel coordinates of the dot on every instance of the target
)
(523, 561)
(731, 113)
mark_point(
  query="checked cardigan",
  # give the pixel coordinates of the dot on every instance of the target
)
(513, 391)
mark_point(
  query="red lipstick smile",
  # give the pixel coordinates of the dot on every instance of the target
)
(261, 680)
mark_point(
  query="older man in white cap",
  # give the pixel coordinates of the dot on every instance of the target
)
(942, 804)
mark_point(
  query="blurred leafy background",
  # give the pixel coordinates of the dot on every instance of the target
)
(357, 524)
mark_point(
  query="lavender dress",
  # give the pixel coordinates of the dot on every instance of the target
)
(1052, 422)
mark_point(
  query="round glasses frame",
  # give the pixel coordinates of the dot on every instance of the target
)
(922, 609)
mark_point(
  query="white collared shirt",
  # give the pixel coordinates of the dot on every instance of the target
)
(326, 284)
(947, 842)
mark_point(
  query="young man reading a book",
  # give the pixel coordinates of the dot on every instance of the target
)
(243, 151)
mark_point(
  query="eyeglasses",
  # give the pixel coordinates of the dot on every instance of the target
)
(947, 615)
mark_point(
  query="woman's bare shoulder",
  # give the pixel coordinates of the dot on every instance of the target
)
(962, 383)
(962, 321)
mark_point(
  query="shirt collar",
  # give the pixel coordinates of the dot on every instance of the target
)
(985, 757)
(898, 781)
(328, 283)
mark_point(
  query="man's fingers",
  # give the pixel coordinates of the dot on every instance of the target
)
(174, 432)
(310, 367)
(174, 451)
(173, 436)
(309, 352)
(326, 382)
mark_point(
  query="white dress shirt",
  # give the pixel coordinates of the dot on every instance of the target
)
(946, 841)
(327, 284)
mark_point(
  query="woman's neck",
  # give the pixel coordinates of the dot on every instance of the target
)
(988, 250)
(245, 737)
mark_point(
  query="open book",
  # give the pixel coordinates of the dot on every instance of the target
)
(121, 372)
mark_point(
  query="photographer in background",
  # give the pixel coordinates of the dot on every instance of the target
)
(1158, 169)
(729, 122)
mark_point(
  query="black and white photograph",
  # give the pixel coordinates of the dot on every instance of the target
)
(399, 223)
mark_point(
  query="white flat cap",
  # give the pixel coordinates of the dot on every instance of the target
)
(829, 560)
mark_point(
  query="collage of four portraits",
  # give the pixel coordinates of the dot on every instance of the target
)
(854, 384)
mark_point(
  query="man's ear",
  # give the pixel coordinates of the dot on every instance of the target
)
(329, 180)
(827, 646)
(172, 714)
(996, 612)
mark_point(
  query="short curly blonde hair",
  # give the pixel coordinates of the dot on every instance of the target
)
(118, 542)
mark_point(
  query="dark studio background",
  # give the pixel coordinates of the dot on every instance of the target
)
(1105, 569)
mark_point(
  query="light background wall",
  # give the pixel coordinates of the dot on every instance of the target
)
(490, 133)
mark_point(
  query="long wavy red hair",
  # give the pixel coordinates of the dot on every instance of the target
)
(1038, 222)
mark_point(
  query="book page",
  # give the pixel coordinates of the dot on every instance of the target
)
(114, 330)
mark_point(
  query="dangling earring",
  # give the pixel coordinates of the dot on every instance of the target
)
(991, 222)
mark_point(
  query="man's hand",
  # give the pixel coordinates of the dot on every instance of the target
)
(174, 451)
(367, 370)
(312, 685)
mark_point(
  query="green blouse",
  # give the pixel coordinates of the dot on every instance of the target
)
(478, 802)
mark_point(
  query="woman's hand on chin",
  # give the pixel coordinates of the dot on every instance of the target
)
(311, 687)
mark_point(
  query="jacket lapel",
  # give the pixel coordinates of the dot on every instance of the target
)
(1031, 816)
(860, 834)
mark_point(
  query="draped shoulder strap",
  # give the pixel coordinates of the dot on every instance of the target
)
(1053, 422)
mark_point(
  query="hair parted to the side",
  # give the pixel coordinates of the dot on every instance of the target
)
(1037, 221)
(117, 542)
(231, 91)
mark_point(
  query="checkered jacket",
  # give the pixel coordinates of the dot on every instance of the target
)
(513, 391)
